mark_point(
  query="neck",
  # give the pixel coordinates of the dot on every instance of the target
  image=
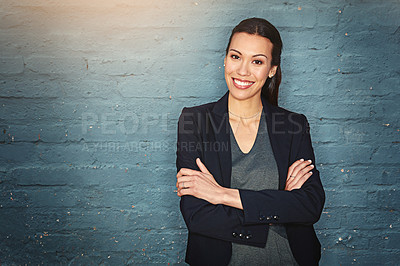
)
(244, 108)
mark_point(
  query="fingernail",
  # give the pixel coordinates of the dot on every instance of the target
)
(310, 161)
(312, 166)
(301, 160)
(310, 172)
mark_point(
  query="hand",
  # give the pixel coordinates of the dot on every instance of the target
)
(298, 174)
(200, 184)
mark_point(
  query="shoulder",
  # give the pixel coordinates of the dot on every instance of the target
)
(198, 113)
(283, 120)
(287, 115)
(199, 109)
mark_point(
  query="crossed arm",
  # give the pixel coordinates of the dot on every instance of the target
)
(212, 210)
(201, 184)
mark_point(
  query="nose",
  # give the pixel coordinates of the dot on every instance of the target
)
(243, 69)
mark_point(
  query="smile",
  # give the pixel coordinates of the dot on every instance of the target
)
(242, 84)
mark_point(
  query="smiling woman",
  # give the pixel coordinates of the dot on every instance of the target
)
(254, 202)
(247, 68)
(248, 65)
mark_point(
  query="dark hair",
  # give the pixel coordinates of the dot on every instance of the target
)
(263, 28)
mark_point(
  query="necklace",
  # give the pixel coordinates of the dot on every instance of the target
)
(242, 117)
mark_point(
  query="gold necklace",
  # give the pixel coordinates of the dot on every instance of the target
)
(242, 117)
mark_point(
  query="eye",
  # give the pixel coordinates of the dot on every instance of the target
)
(258, 62)
(234, 56)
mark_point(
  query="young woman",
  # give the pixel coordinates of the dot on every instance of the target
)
(250, 191)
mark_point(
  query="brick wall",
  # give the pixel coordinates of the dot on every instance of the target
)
(90, 93)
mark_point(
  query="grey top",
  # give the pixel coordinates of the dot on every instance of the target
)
(257, 170)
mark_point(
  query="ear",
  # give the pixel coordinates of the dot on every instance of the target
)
(224, 60)
(272, 71)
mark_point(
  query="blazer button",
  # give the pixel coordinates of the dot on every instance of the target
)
(234, 234)
(269, 218)
(276, 217)
(249, 236)
(241, 235)
(261, 217)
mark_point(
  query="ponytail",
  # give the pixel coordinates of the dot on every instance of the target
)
(270, 90)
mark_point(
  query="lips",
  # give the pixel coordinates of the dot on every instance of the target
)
(242, 84)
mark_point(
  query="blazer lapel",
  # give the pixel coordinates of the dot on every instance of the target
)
(221, 127)
(277, 131)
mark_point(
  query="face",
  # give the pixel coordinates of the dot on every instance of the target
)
(248, 65)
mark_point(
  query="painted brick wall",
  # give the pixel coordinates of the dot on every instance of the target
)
(90, 93)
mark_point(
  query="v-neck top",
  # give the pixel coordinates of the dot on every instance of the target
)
(257, 170)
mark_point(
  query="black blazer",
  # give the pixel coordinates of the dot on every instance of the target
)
(203, 131)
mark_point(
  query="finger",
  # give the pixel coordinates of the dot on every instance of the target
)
(294, 179)
(185, 185)
(186, 171)
(291, 168)
(183, 171)
(300, 181)
(304, 171)
(183, 192)
(300, 174)
(300, 166)
(179, 184)
(184, 181)
(179, 174)
(290, 182)
(185, 178)
(201, 166)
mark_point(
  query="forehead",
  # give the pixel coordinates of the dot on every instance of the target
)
(251, 44)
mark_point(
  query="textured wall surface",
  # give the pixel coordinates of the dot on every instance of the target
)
(90, 93)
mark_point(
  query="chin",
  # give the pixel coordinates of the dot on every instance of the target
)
(243, 94)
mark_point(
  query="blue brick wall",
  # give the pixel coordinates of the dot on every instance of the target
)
(90, 93)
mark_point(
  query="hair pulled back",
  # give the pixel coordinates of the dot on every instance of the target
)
(263, 28)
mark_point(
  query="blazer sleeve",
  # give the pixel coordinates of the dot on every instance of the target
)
(302, 206)
(201, 217)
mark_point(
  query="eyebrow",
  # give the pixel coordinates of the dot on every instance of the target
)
(252, 56)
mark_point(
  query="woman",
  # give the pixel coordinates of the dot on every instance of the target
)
(249, 191)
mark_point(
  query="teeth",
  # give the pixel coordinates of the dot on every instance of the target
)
(242, 83)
